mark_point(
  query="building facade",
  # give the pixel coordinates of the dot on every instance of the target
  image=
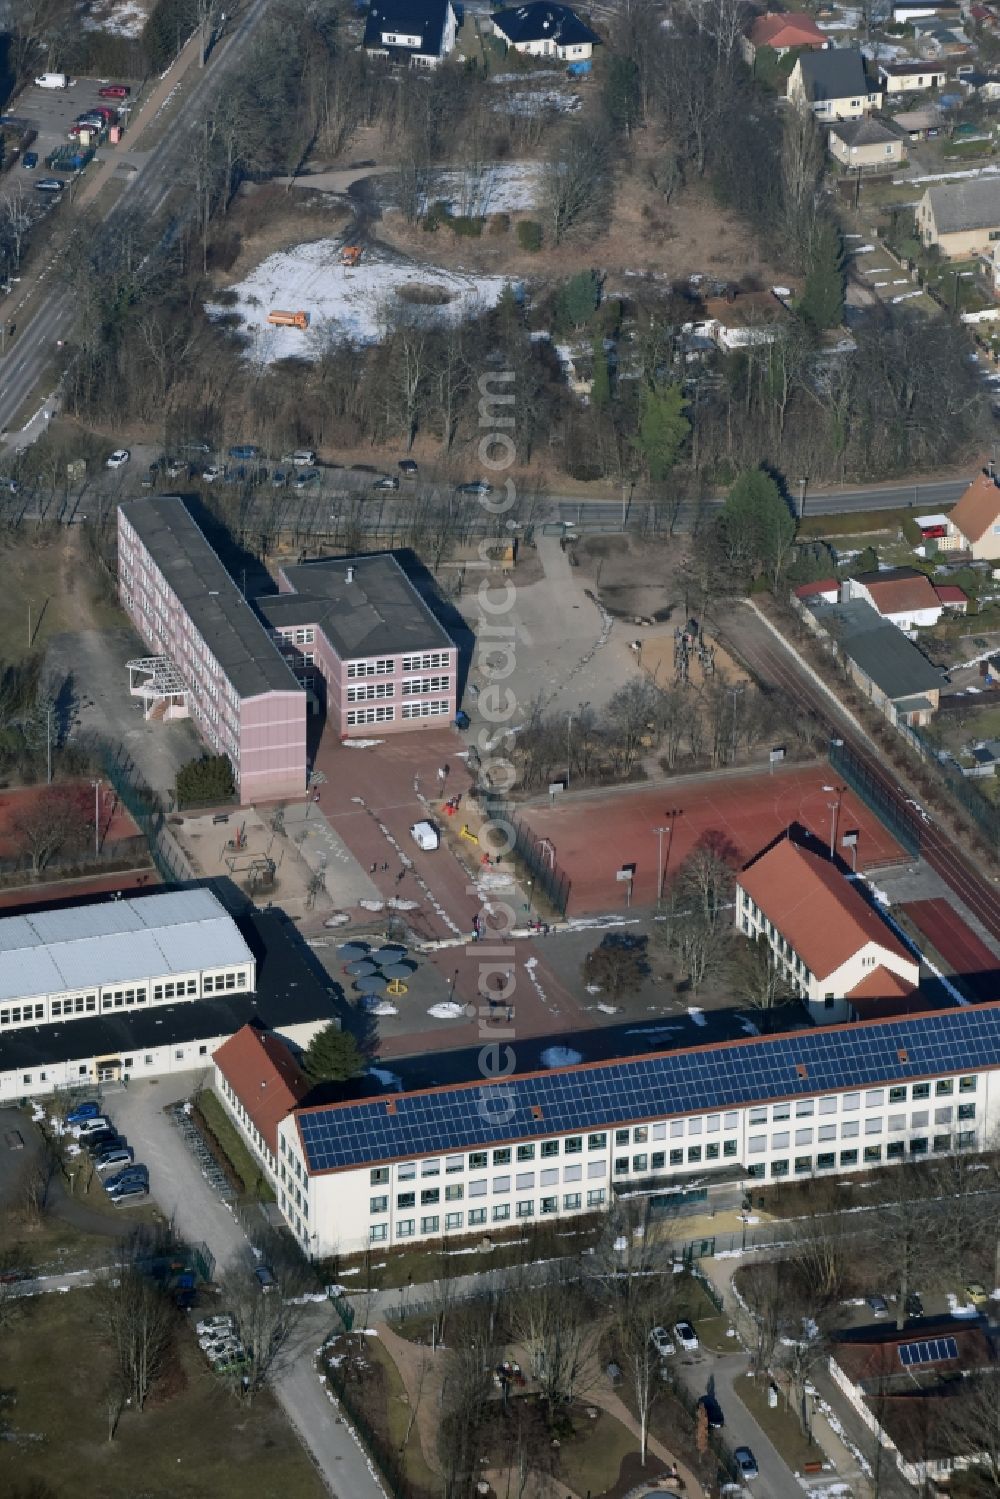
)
(359, 625)
(212, 658)
(960, 219)
(670, 1128)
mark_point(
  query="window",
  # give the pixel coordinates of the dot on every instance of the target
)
(897, 1095)
(827, 1132)
(571, 1201)
(429, 1225)
(427, 662)
(380, 1204)
(781, 1111)
(429, 1196)
(501, 1185)
(596, 1142)
(426, 708)
(477, 1160)
(407, 1171)
(897, 1122)
(526, 1209)
(453, 1163)
(966, 1138)
(621, 1165)
(378, 1233)
(621, 1137)
(369, 691)
(641, 1162)
(894, 1150)
(850, 1129)
(524, 1180)
(574, 1145)
(694, 1153)
(758, 1116)
(478, 1188)
(756, 1171)
(356, 716)
(872, 1153)
(501, 1212)
(595, 1198)
(757, 1144)
(406, 1199)
(921, 1090)
(780, 1140)
(942, 1142)
(919, 1146)
(848, 1157)
(803, 1137)
(379, 1176)
(828, 1105)
(826, 1161)
(920, 1118)
(850, 1102)
(943, 1087)
(525, 1153)
(454, 1194)
(967, 1085)
(945, 1115)
(803, 1165)
(550, 1205)
(712, 1150)
(453, 1220)
(502, 1157)
(873, 1126)
(550, 1148)
(779, 1168)
(966, 1111)
(476, 1216)
(677, 1156)
(729, 1147)
(413, 686)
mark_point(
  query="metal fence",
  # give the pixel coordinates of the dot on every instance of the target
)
(965, 790)
(878, 795)
(536, 854)
(145, 808)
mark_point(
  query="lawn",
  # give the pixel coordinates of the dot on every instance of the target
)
(856, 523)
(395, 1269)
(590, 1462)
(227, 1138)
(49, 576)
(193, 1439)
(780, 1424)
(397, 1418)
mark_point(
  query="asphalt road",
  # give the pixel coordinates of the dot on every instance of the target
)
(25, 364)
(772, 662)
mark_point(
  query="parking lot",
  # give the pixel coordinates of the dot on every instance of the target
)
(50, 112)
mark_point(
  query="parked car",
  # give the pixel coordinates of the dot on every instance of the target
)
(877, 1304)
(407, 468)
(114, 91)
(479, 486)
(660, 1339)
(137, 1173)
(29, 160)
(118, 458)
(279, 478)
(686, 1336)
(211, 1324)
(115, 1155)
(976, 1293)
(713, 1411)
(175, 468)
(389, 482)
(94, 1124)
(913, 1306)
(129, 1192)
(746, 1462)
(244, 451)
(89, 1109)
(197, 447)
(212, 473)
(307, 477)
(266, 1277)
(49, 185)
(103, 1139)
(301, 458)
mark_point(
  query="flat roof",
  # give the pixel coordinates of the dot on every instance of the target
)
(222, 616)
(119, 941)
(290, 991)
(379, 612)
(341, 1137)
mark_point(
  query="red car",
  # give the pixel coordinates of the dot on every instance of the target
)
(107, 114)
(114, 91)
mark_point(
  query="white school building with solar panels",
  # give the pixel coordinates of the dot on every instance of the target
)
(673, 1128)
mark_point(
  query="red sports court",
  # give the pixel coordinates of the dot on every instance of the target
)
(595, 834)
(965, 953)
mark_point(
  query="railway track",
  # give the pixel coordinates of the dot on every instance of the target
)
(772, 664)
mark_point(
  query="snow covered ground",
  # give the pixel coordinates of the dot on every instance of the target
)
(503, 187)
(119, 17)
(344, 305)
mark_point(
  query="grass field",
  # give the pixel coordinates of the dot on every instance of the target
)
(193, 1439)
(854, 523)
(48, 575)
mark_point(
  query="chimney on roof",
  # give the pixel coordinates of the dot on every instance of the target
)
(349, 576)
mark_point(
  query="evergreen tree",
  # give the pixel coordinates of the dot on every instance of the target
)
(663, 428)
(822, 304)
(577, 300)
(757, 526)
(332, 1056)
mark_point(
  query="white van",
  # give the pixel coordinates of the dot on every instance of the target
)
(52, 80)
(425, 835)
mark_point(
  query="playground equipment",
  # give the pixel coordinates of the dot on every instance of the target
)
(396, 987)
(239, 843)
(468, 834)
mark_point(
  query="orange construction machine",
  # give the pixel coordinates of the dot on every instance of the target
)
(289, 319)
(351, 254)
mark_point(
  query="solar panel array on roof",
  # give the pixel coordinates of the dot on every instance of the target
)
(929, 1351)
(671, 1083)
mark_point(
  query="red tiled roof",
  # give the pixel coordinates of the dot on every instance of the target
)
(881, 983)
(265, 1077)
(950, 593)
(792, 30)
(978, 509)
(903, 592)
(810, 590)
(815, 908)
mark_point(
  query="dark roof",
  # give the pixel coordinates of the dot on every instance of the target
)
(220, 613)
(399, 1126)
(910, 69)
(289, 992)
(960, 206)
(424, 18)
(864, 132)
(881, 651)
(838, 73)
(543, 22)
(379, 612)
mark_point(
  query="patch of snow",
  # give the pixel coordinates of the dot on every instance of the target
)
(507, 187)
(353, 306)
(386, 1078)
(536, 102)
(697, 1015)
(399, 904)
(339, 918)
(376, 1006)
(372, 905)
(447, 1010)
(560, 1056)
(959, 1309)
(122, 18)
(864, 250)
(748, 1027)
(606, 1009)
(729, 1254)
(904, 296)
(361, 743)
(594, 989)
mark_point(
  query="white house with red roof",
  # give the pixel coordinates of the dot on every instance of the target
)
(258, 1082)
(836, 949)
(904, 596)
(783, 33)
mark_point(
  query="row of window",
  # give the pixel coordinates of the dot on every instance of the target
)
(851, 1128)
(871, 1155)
(476, 1217)
(73, 1005)
(128, 1065)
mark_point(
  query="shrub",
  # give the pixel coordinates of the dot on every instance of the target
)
(207, 779)
(498, 223)
(439, 213)
(529, 235)
(466, 227)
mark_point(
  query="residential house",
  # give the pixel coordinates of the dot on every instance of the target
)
(917, 124)
(833, 84)
(866, 145)
(960, 219)
(827, 589)
(902, 595)
(935, 37)
(783, 33)
(974, 524)
(905, 11)
(918, 1388)
(832, 946)
(910, 77)
(953, 600)
(743, 318)
(420, 33)
(882, 661)
(985, 86)
(258, 1081)
(545, 30)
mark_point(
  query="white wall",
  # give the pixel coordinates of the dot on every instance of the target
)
(83, 1071)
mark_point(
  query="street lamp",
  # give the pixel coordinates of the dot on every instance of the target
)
(802, 495)
(659, 864)
(97, 817)
(834, 807)
(737, 692)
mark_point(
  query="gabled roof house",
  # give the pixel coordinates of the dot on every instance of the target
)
(833, 84)
(541, 29)
(974, 524)
(420, 33)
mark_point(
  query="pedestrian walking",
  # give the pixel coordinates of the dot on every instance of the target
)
(399, 877)
(385, 867)
(373, 869)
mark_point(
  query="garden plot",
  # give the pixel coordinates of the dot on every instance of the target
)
(355, 305)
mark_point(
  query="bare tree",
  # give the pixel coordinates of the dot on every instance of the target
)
(559, 1337)
(140, 1320)
(263, 1322)
(577, 182)
(757, 978)
(761, 1288)
(17, 219)
(972, 1423)
(49, 823)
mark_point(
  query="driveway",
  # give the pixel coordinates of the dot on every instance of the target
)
(741, 1430)
(200, 1216)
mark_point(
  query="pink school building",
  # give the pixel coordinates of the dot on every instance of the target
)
(387, 663)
